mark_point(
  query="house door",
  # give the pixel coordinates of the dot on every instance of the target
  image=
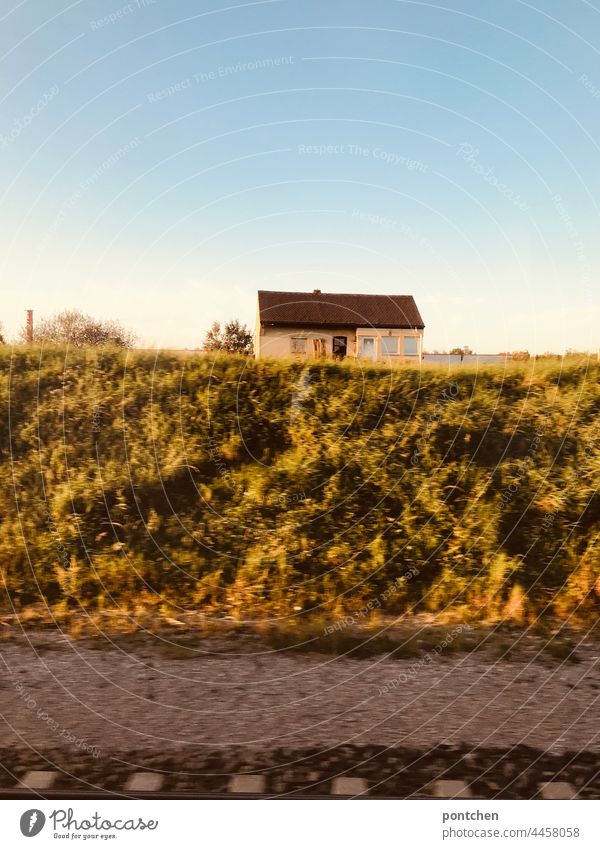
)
(367, 347)
(340, 347)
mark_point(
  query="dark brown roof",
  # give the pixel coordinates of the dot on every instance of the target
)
(319, 309)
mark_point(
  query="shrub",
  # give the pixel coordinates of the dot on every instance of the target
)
(212, 482)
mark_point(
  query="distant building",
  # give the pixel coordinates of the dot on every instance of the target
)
(380, 328)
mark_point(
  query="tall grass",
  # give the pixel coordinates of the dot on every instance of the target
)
(271, 488)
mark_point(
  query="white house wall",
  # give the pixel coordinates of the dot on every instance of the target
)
(276, 341)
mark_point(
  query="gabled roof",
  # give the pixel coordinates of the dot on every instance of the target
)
(320, 309)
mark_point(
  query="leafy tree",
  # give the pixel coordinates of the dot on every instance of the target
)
(1, 336)
(74, 328)
(233, 337)
(464, 350)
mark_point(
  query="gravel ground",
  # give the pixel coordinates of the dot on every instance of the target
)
(71, 695)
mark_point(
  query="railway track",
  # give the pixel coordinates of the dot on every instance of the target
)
(443, 772)
(29, 795)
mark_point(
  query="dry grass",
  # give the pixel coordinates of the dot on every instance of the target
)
(197, 635)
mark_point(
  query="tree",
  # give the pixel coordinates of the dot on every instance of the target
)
(515, 355)
(463, 351)
(233, 337)
(1, 336)
(74, 328)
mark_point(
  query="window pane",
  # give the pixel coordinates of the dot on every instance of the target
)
(389, 345)
(367, 347)
(411, 345)
(340, 346)
(297, 345)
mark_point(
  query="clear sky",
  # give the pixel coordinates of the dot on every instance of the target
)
(161, 160)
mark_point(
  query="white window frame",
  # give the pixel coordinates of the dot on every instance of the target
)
(414, 339)
(384, 340)
(362, 355)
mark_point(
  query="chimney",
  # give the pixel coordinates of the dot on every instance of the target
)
(316, 291)
(29, 327)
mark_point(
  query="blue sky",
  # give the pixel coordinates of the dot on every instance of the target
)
(161, 161)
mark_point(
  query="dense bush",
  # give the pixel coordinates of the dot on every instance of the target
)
(269, 487)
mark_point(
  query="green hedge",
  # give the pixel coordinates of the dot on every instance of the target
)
(250, 487)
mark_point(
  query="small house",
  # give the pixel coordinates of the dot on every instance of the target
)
(380, 328)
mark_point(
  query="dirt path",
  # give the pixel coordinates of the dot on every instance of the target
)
(58, 692)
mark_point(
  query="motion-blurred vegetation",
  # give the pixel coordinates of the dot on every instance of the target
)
(249, 488)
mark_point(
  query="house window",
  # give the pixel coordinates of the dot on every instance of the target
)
(319, 348)
(298, 345)
(367, 347)
(340, 347)
(411, 345)
(389, 345)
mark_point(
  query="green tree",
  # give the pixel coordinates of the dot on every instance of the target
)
(233, 337)
(77, 329)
